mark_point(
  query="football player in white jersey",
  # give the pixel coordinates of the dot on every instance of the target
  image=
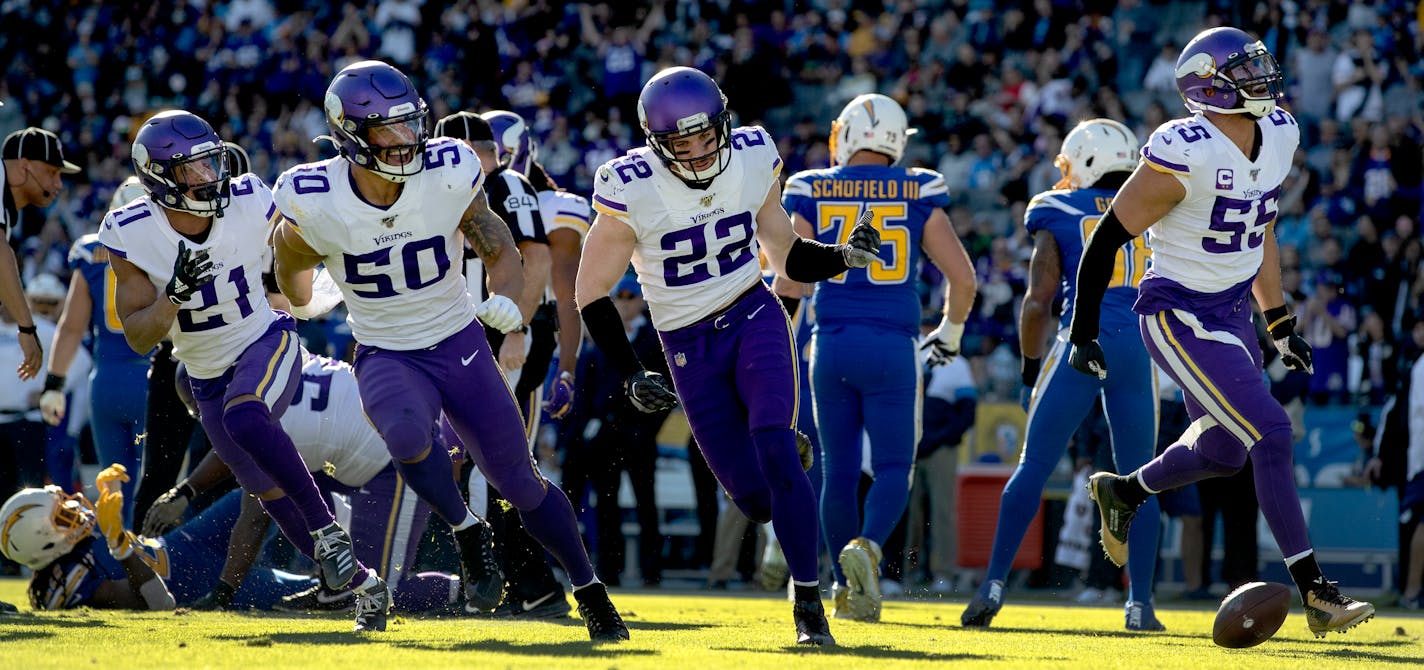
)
(188, 260)
(1206, 194)
(689, 210)
(388, 217)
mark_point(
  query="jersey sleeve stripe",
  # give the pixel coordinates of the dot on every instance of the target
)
(1163, 165)
(571, 221)
(798, 186)
(117, 252)
(603, 204)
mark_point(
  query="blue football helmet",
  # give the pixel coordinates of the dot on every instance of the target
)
(378, 121)
(680, 103)
(514, 145)
(182, 163)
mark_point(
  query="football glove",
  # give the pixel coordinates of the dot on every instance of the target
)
(325, 296)
(52, 404)
(190, 272)
(1088, 359)
(168, 510)
(1296, 353)
(650, 392)
(499, 313)
(863, 247)
(561, 396)
(806, 451)
(942, 344)
(220, 598)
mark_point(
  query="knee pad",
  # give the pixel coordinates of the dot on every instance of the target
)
(756, 505)
(406, 440)
(248, 423)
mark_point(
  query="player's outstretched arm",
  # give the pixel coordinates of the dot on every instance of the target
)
(12, 296)
(73, 323)
(490, 238)
(1045, 271)
(536, 263)
(1296, 353)
(1144, 199)
(293, 260)
(146, 315)
(564, 255)
(248, 534)
(806, 260)
(948, 254)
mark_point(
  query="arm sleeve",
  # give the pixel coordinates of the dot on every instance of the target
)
(1094, 271)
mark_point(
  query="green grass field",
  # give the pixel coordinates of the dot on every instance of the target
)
(682, 631)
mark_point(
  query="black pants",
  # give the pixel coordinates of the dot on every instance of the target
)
(705, 490)
(1234, 498)
(623, 443)
(169, 429)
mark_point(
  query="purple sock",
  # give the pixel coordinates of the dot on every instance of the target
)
(252, 427)
(552, 523)
(425, 590)
(1274, 473)
(793, 502)
(289, 519)
(434, 481)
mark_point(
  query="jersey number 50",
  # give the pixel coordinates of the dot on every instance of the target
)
(410, 254)
(838, 218)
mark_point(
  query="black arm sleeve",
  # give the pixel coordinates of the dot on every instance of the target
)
(811, 261)
(1094, 271)
(606, 328)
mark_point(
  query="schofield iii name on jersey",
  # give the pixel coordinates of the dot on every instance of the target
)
(391, 237)
(699, 218)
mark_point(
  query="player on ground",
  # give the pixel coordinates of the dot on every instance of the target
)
(1207, 189)
(873, 309)
(119, 380)
(188, 259)
(387, 218)
(689, 210)
(1096, 158)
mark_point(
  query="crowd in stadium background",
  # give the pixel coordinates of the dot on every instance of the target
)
(992, 86)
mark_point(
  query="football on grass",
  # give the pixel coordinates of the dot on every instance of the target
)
(1251, 614)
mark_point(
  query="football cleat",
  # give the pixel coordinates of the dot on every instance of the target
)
(551, 605)
(839, 608)
(811, 624)
(1327, 610)
(860, 561)
(1117, 516)
(599, 614)
(334, 556)
(1139, 616)
(316, 599)
(7, 608)
(774, 573)
(987, 602)
(480, 575)
(373, 603)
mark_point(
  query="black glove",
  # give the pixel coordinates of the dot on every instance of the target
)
(1028, 373)
(863, 247)
(220, 598)
(1088, 359)
(190, 272)
(166, 513)
(650, 392)
(1296, 353)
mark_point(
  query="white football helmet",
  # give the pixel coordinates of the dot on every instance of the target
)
(130, 190)
(38, 526)
(871, 122)
(1094, 148)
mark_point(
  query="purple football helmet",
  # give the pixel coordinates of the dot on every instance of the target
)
(514, 146)
(182, 163)
(1227, 71)
(378, 120)
(681, 103)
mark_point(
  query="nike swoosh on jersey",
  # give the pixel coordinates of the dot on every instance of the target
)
(465, 361)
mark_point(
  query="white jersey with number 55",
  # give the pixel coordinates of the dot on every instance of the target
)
(219, 321)
(696, 249)
(393, 264)
(1212, 240)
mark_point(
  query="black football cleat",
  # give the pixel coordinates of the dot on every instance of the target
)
(1117, 516)
(811, 625)
(599, 614)
(987, 602)
(317, 599)
(551, 605)
(334, 556)
(480, 575)
(1329, 611)
(372, 605)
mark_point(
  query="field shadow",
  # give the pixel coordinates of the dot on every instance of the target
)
(634, 624)
(342, 638)
(579, 649)
(1048, 631)
(7, 636)
(50, 622)
(869, 651)
(1348, 655)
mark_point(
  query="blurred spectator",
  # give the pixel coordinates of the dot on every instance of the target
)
(1327, 322)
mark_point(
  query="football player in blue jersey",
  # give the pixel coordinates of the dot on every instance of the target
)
(873, 309)
(1096, 158)
(1208, 189)
(119, 378)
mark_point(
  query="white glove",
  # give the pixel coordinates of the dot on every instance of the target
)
(499, 313)
(326, 295)
(942, 344)
(52, 407)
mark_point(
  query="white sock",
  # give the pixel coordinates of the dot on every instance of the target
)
(580, 588)
(470, 520)
(1291, 560)
(1143, 484)
(370, 582)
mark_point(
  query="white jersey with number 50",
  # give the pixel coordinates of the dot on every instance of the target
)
(219, 321)
(1212, 240)
(393, 264)
(696, 249)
